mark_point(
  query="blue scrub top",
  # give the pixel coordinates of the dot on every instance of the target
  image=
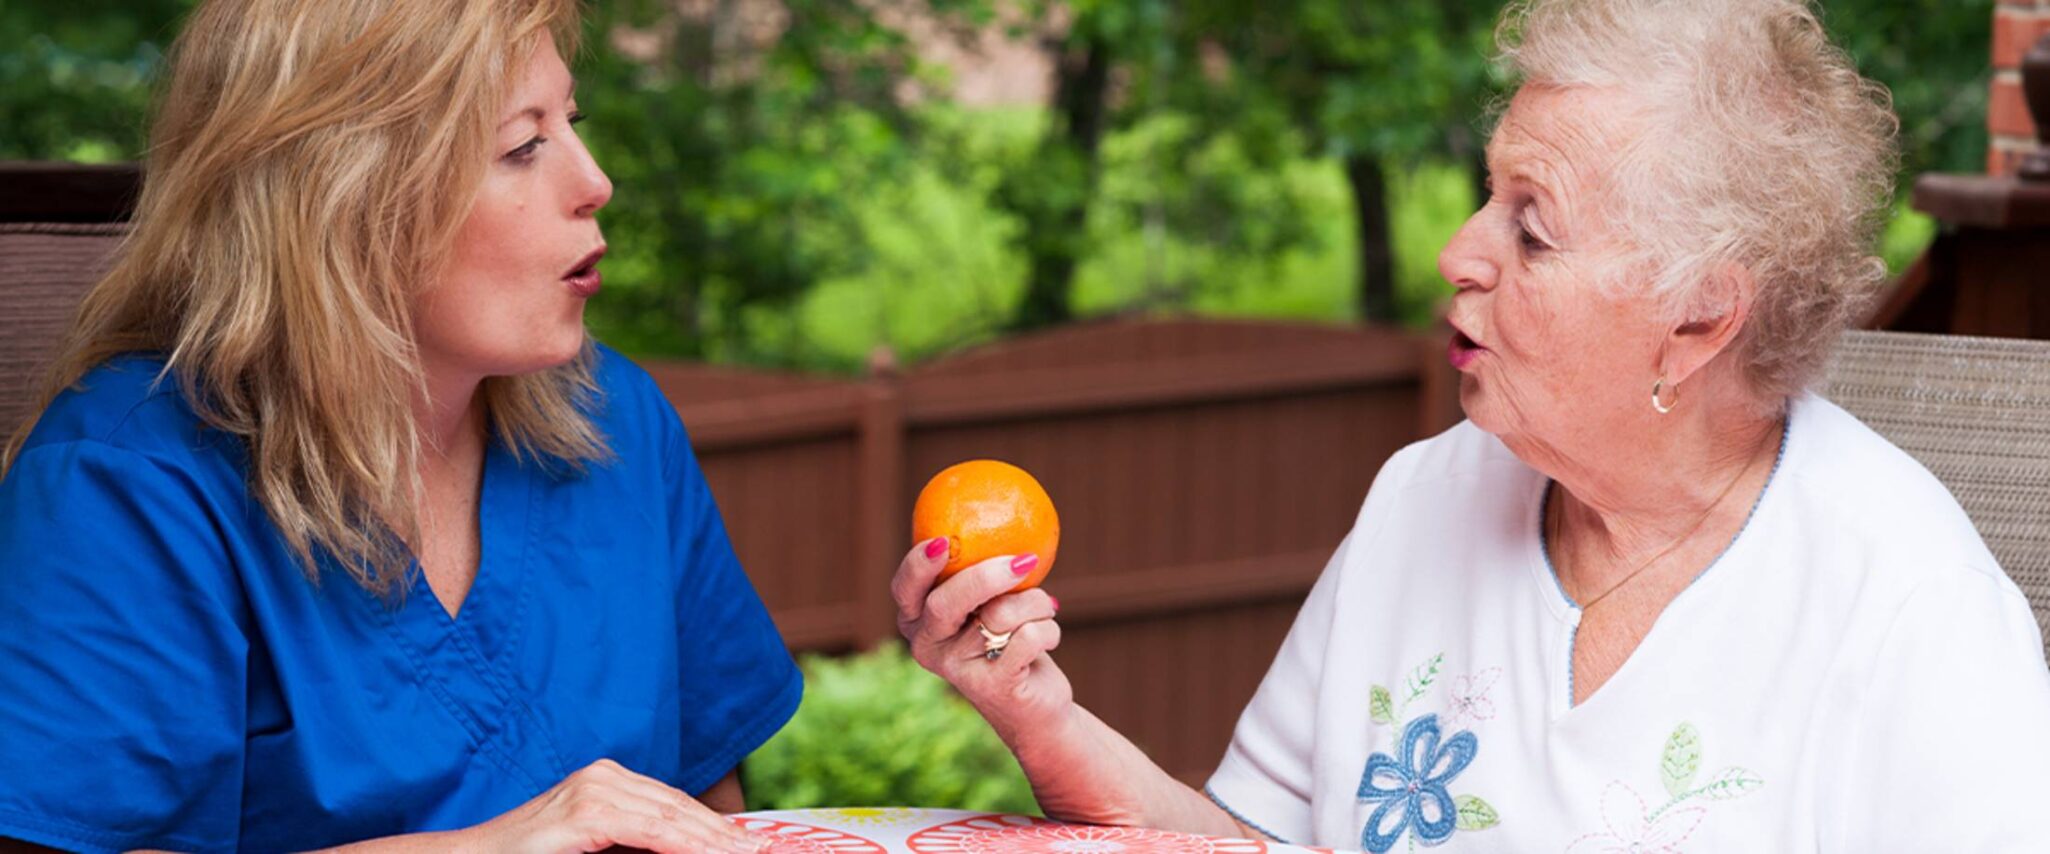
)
(169, 678)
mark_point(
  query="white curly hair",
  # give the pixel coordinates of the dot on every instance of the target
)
(1760, 145)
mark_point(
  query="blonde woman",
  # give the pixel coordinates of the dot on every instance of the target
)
(335, 526)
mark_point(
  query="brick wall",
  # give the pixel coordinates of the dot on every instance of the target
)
(2017, 24)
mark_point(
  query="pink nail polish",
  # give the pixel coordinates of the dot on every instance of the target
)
(936, 548)
(1056, 603)
(1022, 565)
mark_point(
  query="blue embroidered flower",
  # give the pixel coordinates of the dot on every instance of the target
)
(1412, 792)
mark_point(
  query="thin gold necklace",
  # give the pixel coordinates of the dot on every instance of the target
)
(1556, 513)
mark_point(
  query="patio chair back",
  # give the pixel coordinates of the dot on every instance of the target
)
(1976, 412)
(45, 269)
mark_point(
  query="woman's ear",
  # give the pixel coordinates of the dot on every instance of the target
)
(1711, 324)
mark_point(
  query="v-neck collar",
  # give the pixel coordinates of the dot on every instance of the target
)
(1565, 609)
(464, 660)
(490, 614)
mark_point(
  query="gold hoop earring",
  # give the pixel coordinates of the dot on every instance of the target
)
(1658, 387)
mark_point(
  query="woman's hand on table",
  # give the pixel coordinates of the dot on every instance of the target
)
(1021, 689)
(605, 805)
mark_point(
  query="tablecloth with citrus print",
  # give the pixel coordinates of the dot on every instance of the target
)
(905, 830)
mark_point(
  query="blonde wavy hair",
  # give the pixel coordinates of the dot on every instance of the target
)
(1761, 146)
(310, 165)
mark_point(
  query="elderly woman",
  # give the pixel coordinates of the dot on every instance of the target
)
(1653, 595)
(337, 528)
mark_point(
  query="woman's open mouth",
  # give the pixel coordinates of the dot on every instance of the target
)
(1463, 350)
(585, 280)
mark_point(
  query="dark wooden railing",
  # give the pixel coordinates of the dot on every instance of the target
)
(67, 192)
(1988, 271)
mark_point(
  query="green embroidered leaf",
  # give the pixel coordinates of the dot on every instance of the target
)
(1421, 678)
(1474, 813)
(1730, 783)
(1381, 705)
(1681, 760)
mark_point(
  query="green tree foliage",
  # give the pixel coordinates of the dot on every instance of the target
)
(794, 187)
(75, 76)
(1373, 86)
(1933, 56)
(1051, 191)
(1131, 78)
(742, 139)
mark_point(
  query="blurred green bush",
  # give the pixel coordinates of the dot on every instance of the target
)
(876, 729)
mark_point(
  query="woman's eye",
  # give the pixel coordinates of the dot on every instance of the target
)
(576, 118)
(1526, 237)
(525, 152)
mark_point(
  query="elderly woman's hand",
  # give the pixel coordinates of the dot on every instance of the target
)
(1021, 688)
(1080, 769)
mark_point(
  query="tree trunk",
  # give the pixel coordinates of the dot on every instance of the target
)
(1376, 252)
(1472, 158)
(1055, 250)
(1477, 172)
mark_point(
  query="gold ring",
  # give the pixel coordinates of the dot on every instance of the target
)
(992, 643)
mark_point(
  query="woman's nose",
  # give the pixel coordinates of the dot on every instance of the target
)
(593, 188)
(1464, 260)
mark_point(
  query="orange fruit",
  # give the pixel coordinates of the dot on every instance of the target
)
(986, 509)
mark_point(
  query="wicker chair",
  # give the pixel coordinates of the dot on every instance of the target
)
(45, 269)
(1976, 411)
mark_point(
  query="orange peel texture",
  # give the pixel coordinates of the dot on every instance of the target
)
(986, 509)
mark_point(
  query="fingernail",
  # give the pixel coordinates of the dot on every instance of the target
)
(1056, 602)
(1022, 565)
(936, 548)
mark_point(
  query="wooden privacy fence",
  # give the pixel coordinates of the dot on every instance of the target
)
(1204, 472)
